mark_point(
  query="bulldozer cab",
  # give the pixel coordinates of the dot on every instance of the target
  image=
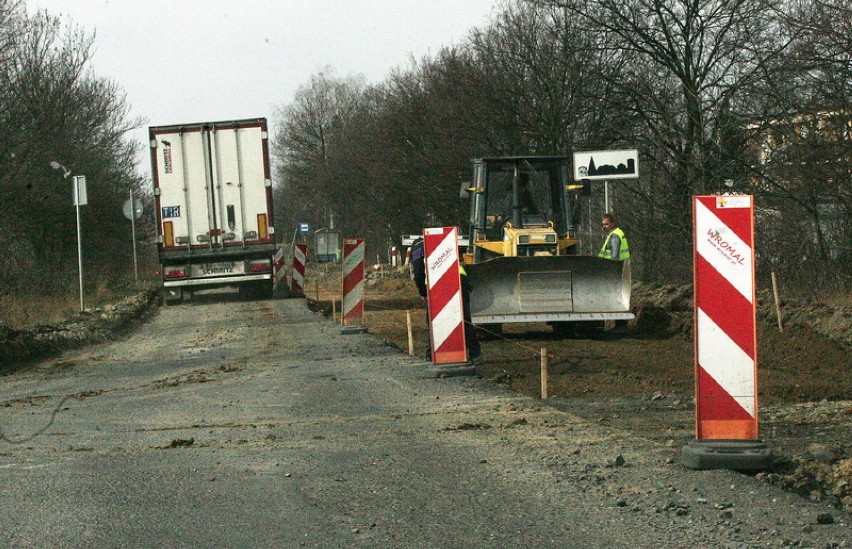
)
(519, 193)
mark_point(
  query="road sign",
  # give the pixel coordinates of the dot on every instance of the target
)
(136, 211)
(279, 266)
(725, 328)
(446, 318)
(353, 281)
(726, 426)
(300, 258)
(303, 228)
(79, 194)
(603, 165)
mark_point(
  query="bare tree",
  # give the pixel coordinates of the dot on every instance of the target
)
(685, 63)
(801, 136)
(53, 108)
(310, 127)
(679, 79)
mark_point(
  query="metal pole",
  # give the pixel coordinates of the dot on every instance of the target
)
(606, 196)
(133, 230)
(79, 242)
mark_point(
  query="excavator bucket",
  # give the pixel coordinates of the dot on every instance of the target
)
(549, 289)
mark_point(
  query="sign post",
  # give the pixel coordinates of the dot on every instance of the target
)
(80, 199)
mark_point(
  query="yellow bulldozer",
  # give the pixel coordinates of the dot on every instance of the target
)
(522, 259)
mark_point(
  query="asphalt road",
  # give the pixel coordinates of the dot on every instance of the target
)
(227, 423)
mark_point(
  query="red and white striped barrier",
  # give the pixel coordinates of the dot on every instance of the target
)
(353, 281)
(725, 327)
(300, 255)
(279, 268)
(446, 318)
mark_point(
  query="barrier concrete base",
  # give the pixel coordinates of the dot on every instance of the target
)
(348, 330)
(453, 370)
(735, 455)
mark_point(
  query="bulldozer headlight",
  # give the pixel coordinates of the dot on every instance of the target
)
(550, 239)
(524, 239)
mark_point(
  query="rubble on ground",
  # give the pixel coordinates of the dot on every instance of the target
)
(82, 328)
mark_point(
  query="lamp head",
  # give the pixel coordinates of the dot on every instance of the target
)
(56, 166)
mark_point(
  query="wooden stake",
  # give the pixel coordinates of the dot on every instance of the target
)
(410, 336)
(543, 373)
(333, 310)
(777, 303)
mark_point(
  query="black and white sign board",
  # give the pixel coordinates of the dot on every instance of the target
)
(605, 165)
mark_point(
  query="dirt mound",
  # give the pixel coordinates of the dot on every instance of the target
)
(668, 309)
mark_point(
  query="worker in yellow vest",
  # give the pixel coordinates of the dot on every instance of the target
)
(615, 246)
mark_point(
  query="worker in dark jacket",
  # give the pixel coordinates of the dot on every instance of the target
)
(418, 273)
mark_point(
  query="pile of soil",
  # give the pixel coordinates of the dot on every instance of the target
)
(642, 381)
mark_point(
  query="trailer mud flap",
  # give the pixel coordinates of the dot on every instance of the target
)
(548, 287)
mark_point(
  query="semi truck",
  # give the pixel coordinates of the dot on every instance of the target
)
(213, 202)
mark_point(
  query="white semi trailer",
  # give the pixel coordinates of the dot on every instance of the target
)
(213, 196)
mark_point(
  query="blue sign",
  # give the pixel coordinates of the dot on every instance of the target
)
(304, 228)
(171, 211)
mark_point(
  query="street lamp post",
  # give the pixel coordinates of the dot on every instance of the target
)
(79, 196)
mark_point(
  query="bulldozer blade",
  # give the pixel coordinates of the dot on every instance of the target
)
(549, 288)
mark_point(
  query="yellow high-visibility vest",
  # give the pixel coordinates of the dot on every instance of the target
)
(623, 252)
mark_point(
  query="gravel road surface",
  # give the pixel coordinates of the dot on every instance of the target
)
(229, 423)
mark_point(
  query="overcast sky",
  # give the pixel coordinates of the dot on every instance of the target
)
(183, 61)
